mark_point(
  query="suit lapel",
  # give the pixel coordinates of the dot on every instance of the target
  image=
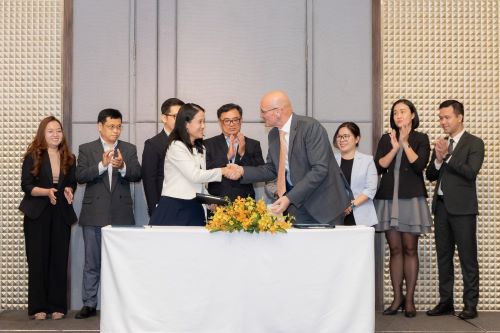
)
(222, 145)
(46, 167)
(61, 178)
(98, 151)
(461, 143)
(356, 164)
(163, 137)
(293, 131)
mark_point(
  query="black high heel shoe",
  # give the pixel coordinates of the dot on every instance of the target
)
(391, 312)
(410, 314)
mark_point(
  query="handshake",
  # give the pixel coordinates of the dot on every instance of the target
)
(232, 171)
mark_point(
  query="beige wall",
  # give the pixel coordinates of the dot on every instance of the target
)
(30, 89)
(435, 50)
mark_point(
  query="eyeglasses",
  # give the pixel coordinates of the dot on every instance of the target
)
(235, 121)
(266, 111)
(113, 127)
(172, 115)
(344, 137)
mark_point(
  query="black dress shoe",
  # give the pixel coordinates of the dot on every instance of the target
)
(85, 312)
(410, 314)
(469, 312)
(391, 312)
(441, 309)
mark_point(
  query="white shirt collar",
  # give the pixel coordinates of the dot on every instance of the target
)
(106, 145)
(457, 137)
(286, 127)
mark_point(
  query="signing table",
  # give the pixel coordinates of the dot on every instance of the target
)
(186, 279)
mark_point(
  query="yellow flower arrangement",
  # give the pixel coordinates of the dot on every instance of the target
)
(247, 215)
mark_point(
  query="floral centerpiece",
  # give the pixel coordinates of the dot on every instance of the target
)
(247, 215)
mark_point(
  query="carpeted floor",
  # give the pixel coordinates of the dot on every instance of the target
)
(17, 321)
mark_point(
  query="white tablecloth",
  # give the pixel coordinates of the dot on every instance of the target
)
(185, 279)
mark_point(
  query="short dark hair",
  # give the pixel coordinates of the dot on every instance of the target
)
(458, 108)
(352, 127)
(165, 107)
(108, 113)
(228, 107)
(415, 121)
(186, 114)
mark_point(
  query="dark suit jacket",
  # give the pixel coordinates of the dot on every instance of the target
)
(153, 163)
(317, 183)
(216, 156)
(411, 175)
(458, 177)
(33, 206)
(101, 205)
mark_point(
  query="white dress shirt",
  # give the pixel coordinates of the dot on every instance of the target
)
(286, 128)
(102, 168)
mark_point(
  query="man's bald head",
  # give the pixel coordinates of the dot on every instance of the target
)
(275, 108)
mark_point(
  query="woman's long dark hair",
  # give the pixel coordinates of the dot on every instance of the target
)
(186, 114)
(39, 145)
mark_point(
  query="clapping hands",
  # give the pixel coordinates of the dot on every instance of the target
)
(441, 148)
(394, 140)
(232, 171)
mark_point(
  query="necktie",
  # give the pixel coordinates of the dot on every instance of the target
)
(281, 167)
(450, 147)
(231, 151)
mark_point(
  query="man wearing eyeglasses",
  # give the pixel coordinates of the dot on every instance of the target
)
(309, 182)
(231, 146)
(106, 166)
(153, 155)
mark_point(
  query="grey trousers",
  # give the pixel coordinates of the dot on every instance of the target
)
(92, 266)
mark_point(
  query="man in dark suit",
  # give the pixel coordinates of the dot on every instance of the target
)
(455, 164)
(231, 146)
(107, 166)
(153, 155)
(300, 156)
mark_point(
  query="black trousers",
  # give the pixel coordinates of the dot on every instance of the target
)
(459, 230)
(47, 247)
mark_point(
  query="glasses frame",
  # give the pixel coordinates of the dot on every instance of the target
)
(266, 111)
(344, 137)
(113, 127)
(231, 121)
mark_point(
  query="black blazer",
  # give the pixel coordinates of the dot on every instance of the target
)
(153, 163)
(458, 177)
(411, 178)
(33, 206)
(216, 156)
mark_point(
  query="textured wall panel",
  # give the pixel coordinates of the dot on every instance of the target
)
(435, 50)
(30, 89)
